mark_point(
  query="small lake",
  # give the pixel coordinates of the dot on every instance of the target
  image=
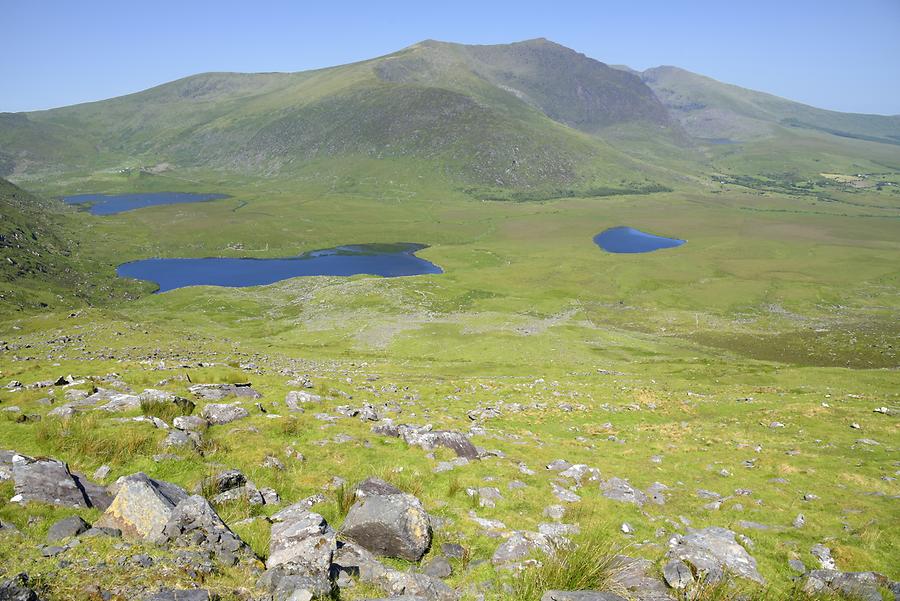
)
(110, 204)
(630, 240)
(387, 260)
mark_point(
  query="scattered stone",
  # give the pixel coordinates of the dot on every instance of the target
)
(453, 550)
(101, 472)
(190, 423)
(823, 554)
(217, 392)
(194, 523)
(438, 567)
(68, 527)
(797, 566)
(620, 490)
(171, 594)
(18, 588)
(223, 413)
(375, 486)
(515, 550)
(799, 521)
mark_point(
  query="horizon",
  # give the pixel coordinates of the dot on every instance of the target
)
(111, 61)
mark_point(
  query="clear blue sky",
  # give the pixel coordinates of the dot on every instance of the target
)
(837, 54)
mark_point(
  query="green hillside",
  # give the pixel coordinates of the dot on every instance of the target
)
(492, 119)
(710, 109)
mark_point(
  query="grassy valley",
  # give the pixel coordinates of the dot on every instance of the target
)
(751, 371)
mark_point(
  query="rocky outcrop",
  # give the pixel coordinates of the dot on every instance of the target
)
(300, 554)
(429, 439)
(217, 392)
(46, 481)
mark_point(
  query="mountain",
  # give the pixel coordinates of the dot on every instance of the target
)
(527, 120)
(517, 116)
(709, 109)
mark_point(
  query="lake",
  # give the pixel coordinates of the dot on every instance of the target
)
(387, 260)
(629, 240)
(110, 204)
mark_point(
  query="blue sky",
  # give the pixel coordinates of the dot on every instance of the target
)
(843, 55)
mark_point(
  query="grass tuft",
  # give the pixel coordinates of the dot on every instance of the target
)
(83, 438)
(589, 563)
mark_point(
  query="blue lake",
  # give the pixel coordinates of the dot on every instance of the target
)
(387, 260)
(630, 240)
(110, 204)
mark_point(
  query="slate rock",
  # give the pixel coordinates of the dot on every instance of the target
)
(223, 481)
(47, 481)
(217, 392)
(375, 486)
(193, 522)
(142, 507)
(18, 588)
(438, 567)
(65, 528)
(223, 413)
(305, 544)
(389, 525)
(677, 574)
(453, 550)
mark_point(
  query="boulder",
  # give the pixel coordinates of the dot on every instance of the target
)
(295, 398)
(712, 551)
(142, 507)
(222, 482)
(223, 413)
(47, 481)
(303, 546)
(393, 525)
(193, 522)
(68, 527)
(438, 567)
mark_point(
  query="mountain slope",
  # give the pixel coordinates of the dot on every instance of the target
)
(521, 116)
(710, 109)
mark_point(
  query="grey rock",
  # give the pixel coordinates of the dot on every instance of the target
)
(823, 554)
(519, 547)
(389, 525)
(375, 486)
(142, 507)
(194, 523)
(429, 440)
(223, 481)
(18, 588)
(223, 413)
(799, 521)
(65, 528)
(712, 551)
(617, 489)
(677, 574)
(453, 550)
(296, 398)
(178, 439)
(47, 481)
(190, 423)
(797, 565)
(217, 392)
(438, 567)
(305, 543)
(101, 472)
(121, 402)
